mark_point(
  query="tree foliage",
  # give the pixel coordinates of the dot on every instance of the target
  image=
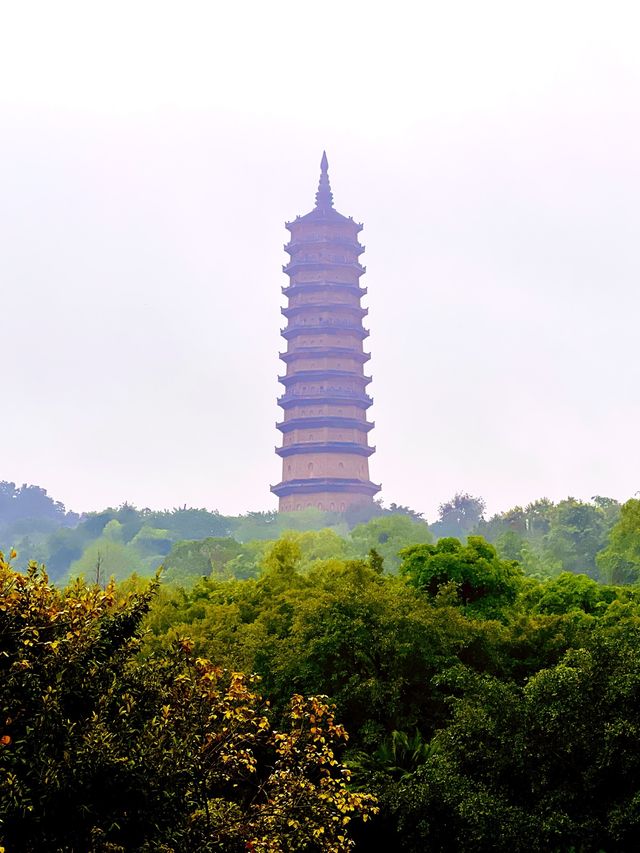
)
(549, 765)
(459, 516)
(620, 560)
(548, 538)
(482, 580)
(490, 686)
(103, 750)
(388, 535)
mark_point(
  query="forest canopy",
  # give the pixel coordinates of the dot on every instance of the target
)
(489, 682)
(544, 537)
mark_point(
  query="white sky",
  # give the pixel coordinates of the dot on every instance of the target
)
(149, 156)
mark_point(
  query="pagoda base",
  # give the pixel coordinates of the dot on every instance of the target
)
(327, 494)
(324, 501)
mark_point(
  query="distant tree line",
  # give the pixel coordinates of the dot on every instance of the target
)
(31, 504)
(546, 538)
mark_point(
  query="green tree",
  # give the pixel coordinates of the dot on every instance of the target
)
(316, 545)
(578, 531)
(569, 592)
(103, 750)
(459, 516)
(152, 542)
(191, 523)
(388, 535)
(619, 562)
(108, 558)
(484, 582)
(270, 525)
(549, 765)
(190, 560)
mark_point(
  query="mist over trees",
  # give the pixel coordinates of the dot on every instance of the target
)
(452, 671)
(544, 537)
(24, 505)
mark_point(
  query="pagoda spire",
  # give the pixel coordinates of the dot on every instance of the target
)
(324, 196)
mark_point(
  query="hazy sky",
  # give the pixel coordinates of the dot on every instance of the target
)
(149, 156)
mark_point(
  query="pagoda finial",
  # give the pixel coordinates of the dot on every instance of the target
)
(324, 196)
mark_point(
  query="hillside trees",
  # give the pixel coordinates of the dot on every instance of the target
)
(102, 750)
(30, 503)
(189, 560)
(371, 641)
(60, 539)
(473, 694)
(549, 765)
(483, 582)
(456, 679)
(548, 538)
(388, 535)
(619, 562)
(459, 516)
(578, 531)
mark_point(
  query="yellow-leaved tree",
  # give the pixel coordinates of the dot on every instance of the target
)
(104, 749)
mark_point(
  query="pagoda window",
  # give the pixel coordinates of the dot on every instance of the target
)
(332, 506)
(319, 506)
(341, 507)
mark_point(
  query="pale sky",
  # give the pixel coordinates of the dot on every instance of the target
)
(150, 153)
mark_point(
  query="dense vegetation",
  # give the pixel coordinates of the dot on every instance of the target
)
(489, 681)
(545, 538)
(102, 749)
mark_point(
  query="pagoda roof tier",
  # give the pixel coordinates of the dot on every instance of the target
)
(327, 217)
(314, 485)
(300, 242)
(330, 328)
(302, 266)
(306, 286)
(332, 398)
(324, 306)
(350, 447)
(319, 375)
(322, 421)
(324, 352)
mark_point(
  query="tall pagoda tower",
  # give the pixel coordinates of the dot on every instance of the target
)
(325, 450)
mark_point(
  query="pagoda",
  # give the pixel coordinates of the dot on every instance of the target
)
(325, 451)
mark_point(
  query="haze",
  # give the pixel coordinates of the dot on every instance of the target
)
(149, 156)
